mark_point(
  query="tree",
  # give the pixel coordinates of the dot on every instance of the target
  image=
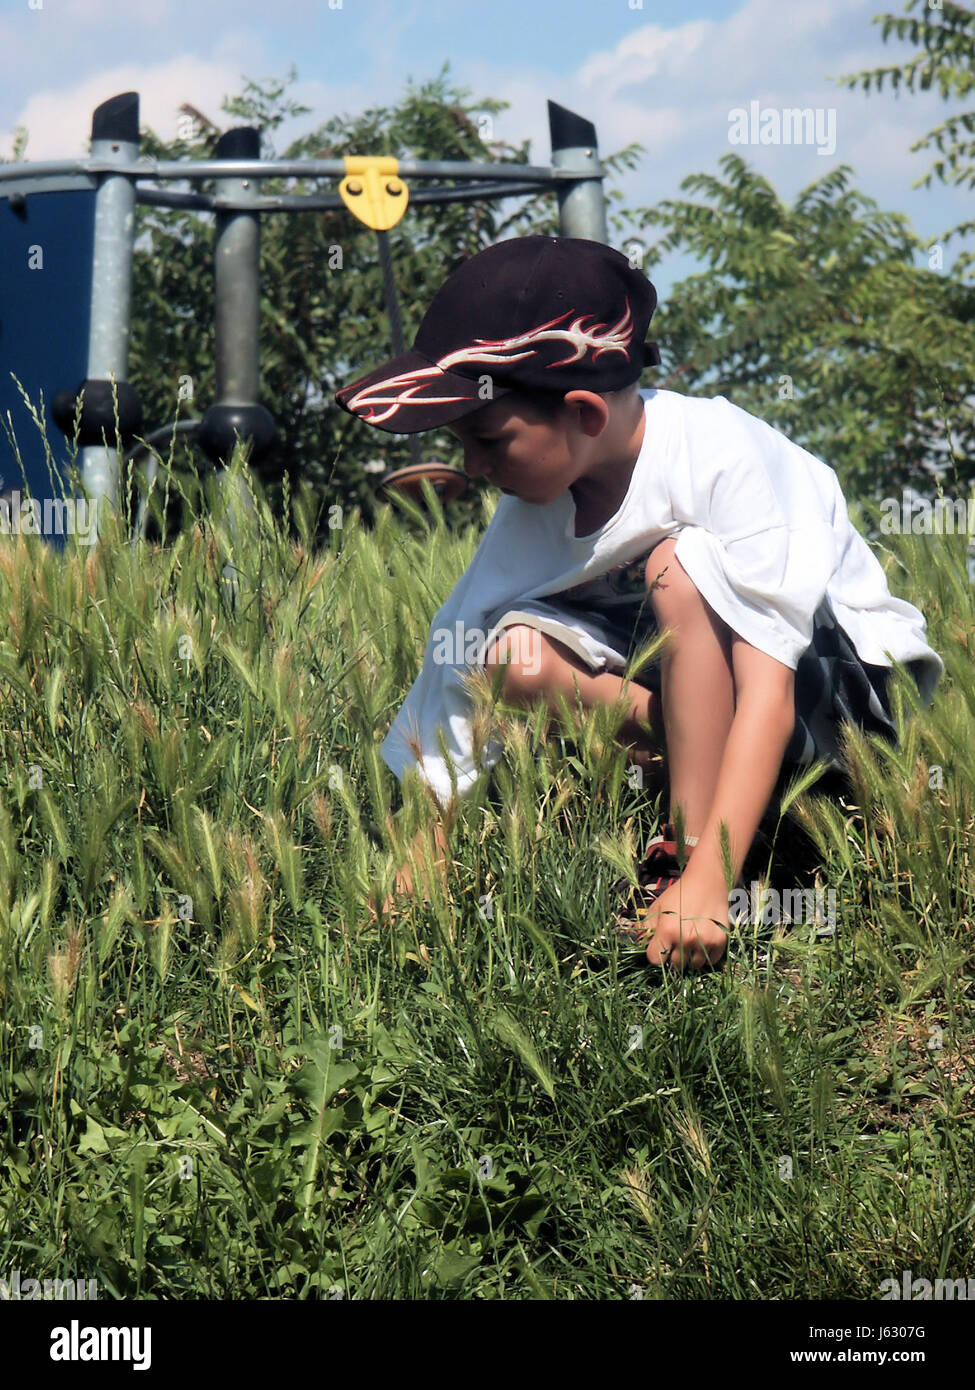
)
(947, 34)
(323, 309)
(816, 318)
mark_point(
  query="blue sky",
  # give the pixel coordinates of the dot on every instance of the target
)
(665, 76)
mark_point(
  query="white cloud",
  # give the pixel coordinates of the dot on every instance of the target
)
(59, 121)
(672, 90)
(643, 54)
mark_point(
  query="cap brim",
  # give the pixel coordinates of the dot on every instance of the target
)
(410, 393)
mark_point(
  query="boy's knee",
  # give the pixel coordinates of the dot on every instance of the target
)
(671, 587)
(524, 649)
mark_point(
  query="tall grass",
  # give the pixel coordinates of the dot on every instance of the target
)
(221, 1077)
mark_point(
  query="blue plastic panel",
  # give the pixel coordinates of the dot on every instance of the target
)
(44, 317)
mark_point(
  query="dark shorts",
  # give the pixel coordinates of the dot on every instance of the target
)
(833, 684)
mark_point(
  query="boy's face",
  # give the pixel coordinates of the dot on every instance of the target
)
(525, 454)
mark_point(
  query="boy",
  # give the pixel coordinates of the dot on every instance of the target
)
(624, 512)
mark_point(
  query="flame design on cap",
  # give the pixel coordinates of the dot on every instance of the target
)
(382, 399)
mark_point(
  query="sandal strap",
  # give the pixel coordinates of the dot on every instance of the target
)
(666, 840)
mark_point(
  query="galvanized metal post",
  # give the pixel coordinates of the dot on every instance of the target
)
(237, 288)
(114, 138)
(582, 205)
(237, 278)
(395, 323)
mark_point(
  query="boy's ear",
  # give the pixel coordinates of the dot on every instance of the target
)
(593, 411)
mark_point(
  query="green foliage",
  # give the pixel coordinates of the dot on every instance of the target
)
(221, 1078)
(18, 146)
(323, 311)
(946, 35)
(815, 318)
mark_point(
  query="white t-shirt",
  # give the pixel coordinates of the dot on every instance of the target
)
(762, 531)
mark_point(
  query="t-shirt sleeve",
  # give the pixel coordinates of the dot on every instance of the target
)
(757, 526)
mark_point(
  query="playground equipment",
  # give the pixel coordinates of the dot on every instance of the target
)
(447, 483)
(86, 207)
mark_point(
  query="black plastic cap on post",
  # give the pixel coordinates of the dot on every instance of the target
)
(117, 119)
(569, 131)
(223, 423)
(243, 142)
(100, 401)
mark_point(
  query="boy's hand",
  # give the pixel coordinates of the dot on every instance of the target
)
(689, 922)
(403, 886)
(401, 890)
(392, 904)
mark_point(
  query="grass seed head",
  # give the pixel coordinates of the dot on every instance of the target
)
(63, 964)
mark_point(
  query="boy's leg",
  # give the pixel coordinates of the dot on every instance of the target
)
(697, 703)
(540, 667)
(697, 686)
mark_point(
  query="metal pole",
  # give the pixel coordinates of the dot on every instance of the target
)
(114, 139)
(322, 202)
(395, 320)
(150, 469)
(582, 205)
(273, 169)
(237, 288)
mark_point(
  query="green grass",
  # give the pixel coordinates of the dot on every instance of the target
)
(220, 1078)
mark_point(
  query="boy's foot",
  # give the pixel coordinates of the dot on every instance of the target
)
(659, 868)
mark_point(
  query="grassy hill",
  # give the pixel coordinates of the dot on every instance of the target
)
(221, 1077)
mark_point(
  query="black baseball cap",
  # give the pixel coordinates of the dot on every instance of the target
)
(536, 313)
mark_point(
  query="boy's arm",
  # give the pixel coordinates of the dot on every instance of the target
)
(691, 917)
(760, 732)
